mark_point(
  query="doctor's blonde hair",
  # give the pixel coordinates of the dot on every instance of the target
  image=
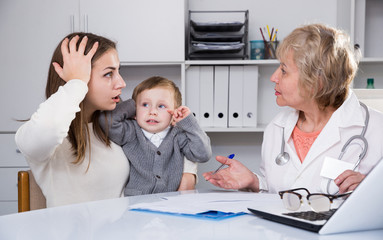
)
(326, 61)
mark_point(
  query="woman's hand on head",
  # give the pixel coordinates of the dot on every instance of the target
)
(349, 180)
(235, 176)
(76, 65)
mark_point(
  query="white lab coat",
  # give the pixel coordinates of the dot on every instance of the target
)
(348, 120)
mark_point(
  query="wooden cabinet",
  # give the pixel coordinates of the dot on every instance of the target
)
(146, 30)
(366, 20)
(30, 35)
(11, 161)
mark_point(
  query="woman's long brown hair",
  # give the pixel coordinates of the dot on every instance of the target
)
(78, 131)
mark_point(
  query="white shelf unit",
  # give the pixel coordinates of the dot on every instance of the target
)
(206, 26)
(362, 19)
(259, 128)
(265, 91)
(233, 62)
(369, 68)
(367, 21)
(372, 60)
(246, 142)
(346, 14)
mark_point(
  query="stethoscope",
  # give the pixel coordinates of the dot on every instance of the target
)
(283, 157)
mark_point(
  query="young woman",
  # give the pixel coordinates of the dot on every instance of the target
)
(71, 158)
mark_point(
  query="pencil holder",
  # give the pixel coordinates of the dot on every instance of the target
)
(257, 49)
(271, 49)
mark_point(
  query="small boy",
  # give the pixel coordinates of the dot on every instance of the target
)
(159, 137)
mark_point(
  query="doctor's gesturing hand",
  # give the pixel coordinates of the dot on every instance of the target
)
(324, 121)
(235, 176)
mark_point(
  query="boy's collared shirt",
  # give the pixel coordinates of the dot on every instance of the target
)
(156, 138)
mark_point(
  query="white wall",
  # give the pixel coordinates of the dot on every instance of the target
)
(281, 14)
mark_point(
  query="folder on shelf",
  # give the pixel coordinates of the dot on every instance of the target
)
(206, 99)
(236, 96)
(250, 96)
(192, 90)
(210, 47)
(221, 96)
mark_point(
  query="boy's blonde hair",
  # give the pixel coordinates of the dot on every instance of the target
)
(158, 81)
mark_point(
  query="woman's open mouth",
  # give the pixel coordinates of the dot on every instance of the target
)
(116, 98)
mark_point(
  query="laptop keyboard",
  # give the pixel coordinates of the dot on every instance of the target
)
(311, 215)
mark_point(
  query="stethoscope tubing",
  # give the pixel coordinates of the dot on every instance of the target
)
(361, 137)
(344, 148)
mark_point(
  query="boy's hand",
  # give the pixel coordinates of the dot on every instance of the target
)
(179, 114)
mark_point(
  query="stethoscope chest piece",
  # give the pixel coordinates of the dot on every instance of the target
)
(282, 157)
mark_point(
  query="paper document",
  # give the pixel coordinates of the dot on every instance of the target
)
(333, 167)
(229, 203)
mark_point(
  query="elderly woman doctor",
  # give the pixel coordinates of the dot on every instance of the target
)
(323, 131)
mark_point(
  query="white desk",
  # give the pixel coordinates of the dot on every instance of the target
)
(111, 219)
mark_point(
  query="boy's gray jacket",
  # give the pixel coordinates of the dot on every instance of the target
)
(152, 169)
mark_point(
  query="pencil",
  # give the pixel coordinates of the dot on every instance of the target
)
(275, 35)
(262, 35)
(268, 31)
(271, 34)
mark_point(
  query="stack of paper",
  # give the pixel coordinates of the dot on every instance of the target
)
(215, 206)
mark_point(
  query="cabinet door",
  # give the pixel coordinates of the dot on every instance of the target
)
(30, 31)
(8, 207)
(8, 183)
(10, 155)
(146, 30)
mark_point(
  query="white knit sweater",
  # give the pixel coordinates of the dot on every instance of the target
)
(44, 143)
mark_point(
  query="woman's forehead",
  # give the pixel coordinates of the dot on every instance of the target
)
(109, 58)
(287, 58)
